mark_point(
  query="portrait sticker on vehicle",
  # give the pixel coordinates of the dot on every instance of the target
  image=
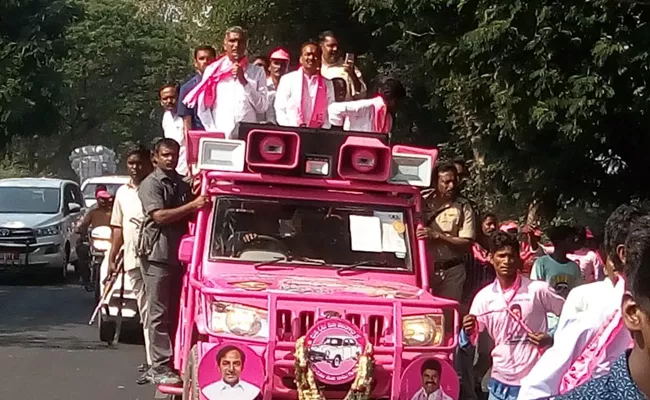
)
(334, 347)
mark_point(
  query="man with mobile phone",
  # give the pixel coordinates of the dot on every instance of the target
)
(333, 66)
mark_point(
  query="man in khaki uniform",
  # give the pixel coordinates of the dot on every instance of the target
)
(450, 230)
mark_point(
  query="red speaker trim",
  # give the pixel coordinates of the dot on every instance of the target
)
(383, 162)
(293, 145)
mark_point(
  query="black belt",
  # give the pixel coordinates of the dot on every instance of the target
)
(445, 265)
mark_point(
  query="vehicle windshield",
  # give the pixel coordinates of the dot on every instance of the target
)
(89, 189)
(333, 341)
(319, 233)
(29, 200)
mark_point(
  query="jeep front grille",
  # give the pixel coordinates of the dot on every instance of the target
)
(293, 325)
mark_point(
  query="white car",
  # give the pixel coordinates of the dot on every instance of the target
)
(37, 220)
(112, 183)
(335, 349)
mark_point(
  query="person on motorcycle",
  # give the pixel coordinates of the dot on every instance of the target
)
(98, 216)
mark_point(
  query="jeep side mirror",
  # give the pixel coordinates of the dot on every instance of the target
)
(74, 208)
(185, 249)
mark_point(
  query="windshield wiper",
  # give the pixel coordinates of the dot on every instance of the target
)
(275, 260)
(288, 259)
(360, 264)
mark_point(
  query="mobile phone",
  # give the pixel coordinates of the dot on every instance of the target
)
(349, 58)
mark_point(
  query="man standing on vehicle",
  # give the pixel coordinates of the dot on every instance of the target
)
(98, 216)
(450, 231)
(231, 90)
(126, 221)
(279, 65)
(334, 67)
(166, 205)
(203, 55)
(304, 95)
(369, 115)
(172, 124)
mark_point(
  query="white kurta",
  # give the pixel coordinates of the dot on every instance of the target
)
(289, 99)
(437, 395)
(220, 390)
(356, 116)
(572, 336)
(173, 128)
(236, 102)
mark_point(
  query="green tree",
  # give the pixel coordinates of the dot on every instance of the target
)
(32, 45)
(286, 23)
(549, 99)
(117, 62)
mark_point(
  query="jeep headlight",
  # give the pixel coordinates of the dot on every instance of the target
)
(51, 230)
(423, 330)
(239, 320)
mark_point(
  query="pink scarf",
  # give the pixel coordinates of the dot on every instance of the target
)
(381, 122)
(213, 74)
(320, 104)
(594, 352)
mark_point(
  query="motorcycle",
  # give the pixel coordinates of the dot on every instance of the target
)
(100, 245)
(116, 297)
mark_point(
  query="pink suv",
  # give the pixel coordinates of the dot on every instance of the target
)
(305, 275)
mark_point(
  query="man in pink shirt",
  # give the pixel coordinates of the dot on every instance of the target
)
(590, 263)
(513, 311)
(582, 348)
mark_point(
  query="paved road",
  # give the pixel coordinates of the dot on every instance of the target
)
(48, 351)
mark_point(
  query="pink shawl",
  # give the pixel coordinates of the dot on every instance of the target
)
(594, 352)
(320, 104)
(204, 94)
(381, 121)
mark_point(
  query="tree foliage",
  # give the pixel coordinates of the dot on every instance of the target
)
(107, 82)
(32, 45)
(548, 98)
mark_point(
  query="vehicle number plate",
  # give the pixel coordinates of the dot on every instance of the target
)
(9, 256)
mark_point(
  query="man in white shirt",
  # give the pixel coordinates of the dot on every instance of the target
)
(230, 361)
(173, 125)
(431, 375)
(278, 66)
(334, 67)
(585, 315)
(125, 223)
(304, 95)
(369, 115)
(231, 90)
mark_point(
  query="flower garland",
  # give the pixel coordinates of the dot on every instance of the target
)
(306, 382)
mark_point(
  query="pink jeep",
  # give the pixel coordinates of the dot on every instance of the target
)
(304, 277)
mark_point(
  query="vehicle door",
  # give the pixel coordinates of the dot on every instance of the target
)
(348, 348)
(72, 211)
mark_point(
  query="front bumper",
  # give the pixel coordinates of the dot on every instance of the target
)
(28, 251)
(379, 318)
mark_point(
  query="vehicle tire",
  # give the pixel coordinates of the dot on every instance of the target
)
(66, 261)
(190, 376)
(106, 330)
(336, 362)
(61, 274)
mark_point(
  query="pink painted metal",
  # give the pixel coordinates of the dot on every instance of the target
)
(286, 143)
(355, 149)
(290, 297)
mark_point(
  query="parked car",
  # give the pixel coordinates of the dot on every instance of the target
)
(112, 183)
(37, 218)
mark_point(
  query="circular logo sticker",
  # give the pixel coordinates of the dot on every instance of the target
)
(334, 347)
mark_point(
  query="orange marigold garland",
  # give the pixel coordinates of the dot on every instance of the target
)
(306, 381)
